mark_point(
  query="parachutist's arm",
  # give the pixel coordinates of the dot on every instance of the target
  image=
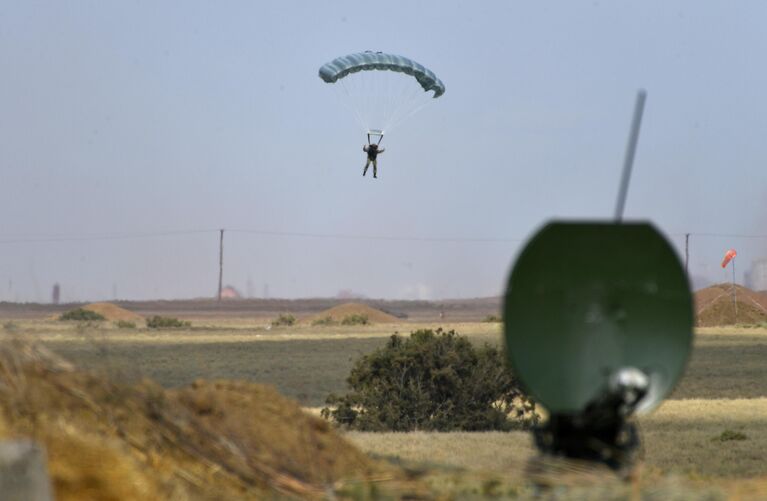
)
(365, 148)
(381, 150)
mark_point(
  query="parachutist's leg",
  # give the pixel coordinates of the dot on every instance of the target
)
(366, 167)
(375, 168)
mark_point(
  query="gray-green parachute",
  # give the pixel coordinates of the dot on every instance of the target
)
(382, 90)
(379, 61)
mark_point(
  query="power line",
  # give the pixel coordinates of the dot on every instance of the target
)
(9, 239)
(727, 235)
(15, 239)
(347, 236)
(50, 238)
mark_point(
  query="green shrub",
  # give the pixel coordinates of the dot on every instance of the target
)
(433, 381)
(324, 321)
(81, 315)
(355, 319)
(728, 435)
(125, 324)
(158, 322)
(284, 320)
(492, 319)
(10, 326)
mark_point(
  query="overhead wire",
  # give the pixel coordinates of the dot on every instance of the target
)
(50, 238)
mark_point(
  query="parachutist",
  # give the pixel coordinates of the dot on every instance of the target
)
(372, 151)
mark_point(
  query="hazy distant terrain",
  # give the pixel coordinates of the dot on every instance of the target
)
(464, 310)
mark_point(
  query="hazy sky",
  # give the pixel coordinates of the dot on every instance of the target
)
(150, 117)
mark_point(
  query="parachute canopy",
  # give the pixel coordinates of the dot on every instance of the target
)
(728, 256)
(381, 89)
(369, 61)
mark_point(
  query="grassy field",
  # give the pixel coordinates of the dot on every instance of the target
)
(305, 363)
(308, 363)
(724, 389)
(682, 437)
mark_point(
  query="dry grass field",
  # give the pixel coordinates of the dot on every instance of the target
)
(681, 437)
(724, 390)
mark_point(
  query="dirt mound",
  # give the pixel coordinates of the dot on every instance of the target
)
(211, 440)
(338, 313)
(715, 306)
(112, 312)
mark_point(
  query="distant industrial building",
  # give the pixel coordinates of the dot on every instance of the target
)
(756, 278)
(230, 292)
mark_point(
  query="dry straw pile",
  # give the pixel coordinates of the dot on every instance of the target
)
(725, 304)
(338, 313)
(210, 440)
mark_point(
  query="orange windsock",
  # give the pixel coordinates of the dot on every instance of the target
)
(728, 257)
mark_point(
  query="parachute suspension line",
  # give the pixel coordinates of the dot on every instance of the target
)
(409, 106)
(398, 103)
(410, 113)
(401, 107)
(395, 88)
(350, 103)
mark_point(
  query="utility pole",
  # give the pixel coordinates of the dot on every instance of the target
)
(734, 292)
(220, 262)
(686, 251)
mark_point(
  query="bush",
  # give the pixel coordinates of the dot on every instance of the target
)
(158, 322)
(284, 320)
(728, 435)
(125, 324)
(433, 380)
(324, 321)
(492, 319)
(355, 319)
(81, 315)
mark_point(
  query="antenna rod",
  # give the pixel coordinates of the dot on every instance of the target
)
(628, 161)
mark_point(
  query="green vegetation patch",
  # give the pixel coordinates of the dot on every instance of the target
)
(158, 322)
(324, 322)
(355, 319)
(284, 320)
(81, 315)
(432, 381)
(730, 435)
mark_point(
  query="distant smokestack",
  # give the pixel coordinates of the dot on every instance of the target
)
(56, 295)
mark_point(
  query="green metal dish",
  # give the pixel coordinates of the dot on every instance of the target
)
(586, 299)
